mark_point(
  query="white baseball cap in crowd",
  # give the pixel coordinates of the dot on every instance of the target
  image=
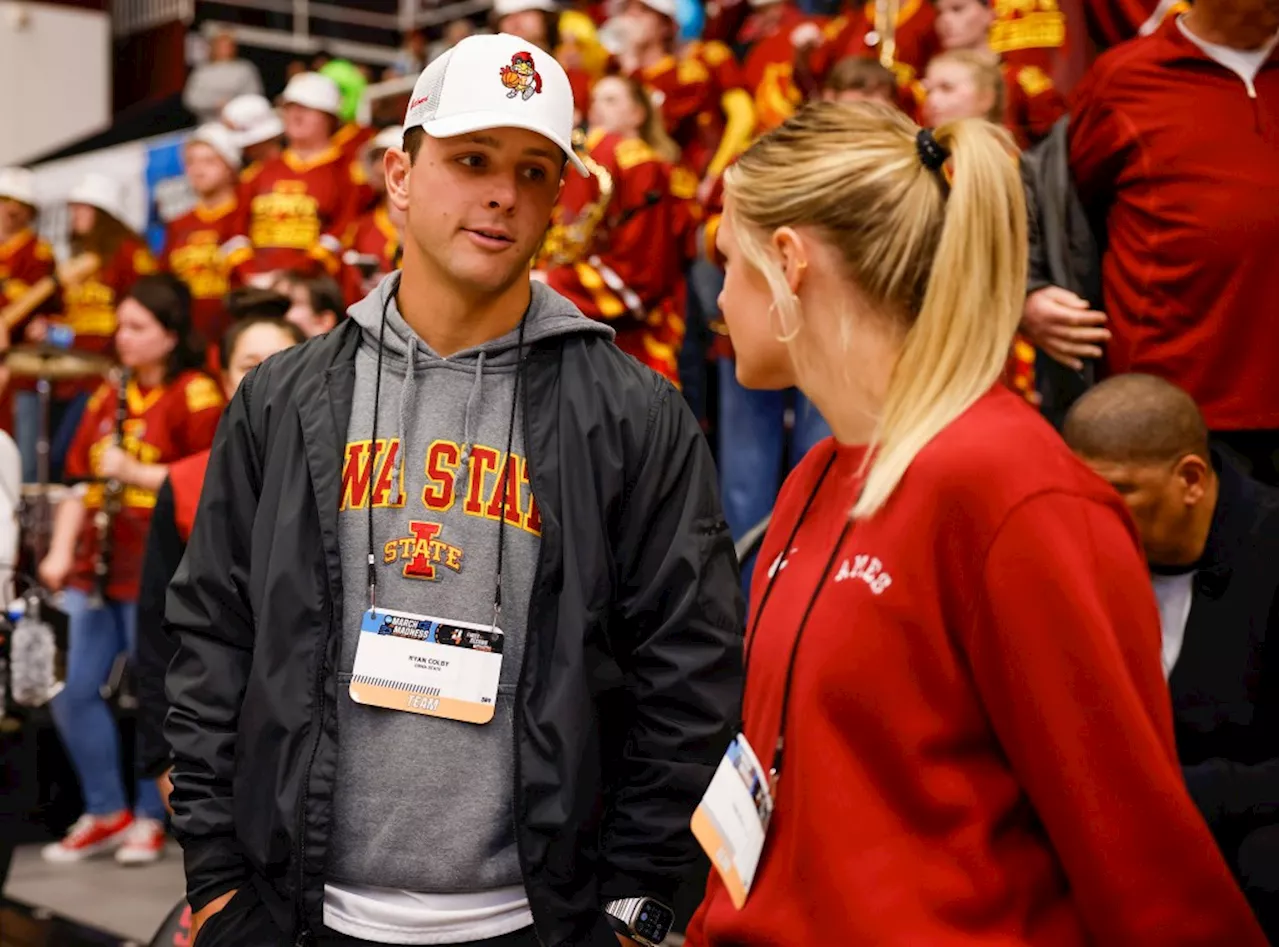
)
(100, 191)
(314, 91)
(18, 184)
(252, 119)
(495, 81)
(503, 8)
(666, 7)
(390, 137)
(221, 139)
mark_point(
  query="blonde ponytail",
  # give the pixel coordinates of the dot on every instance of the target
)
(946, 259)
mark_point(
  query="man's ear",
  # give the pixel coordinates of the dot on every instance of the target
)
(396, 166)
(1194, 475)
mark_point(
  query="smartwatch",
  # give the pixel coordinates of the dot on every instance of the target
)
(642, 919)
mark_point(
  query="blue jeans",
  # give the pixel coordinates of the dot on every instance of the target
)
(753, 446)
(704, 282)
(64, 418)
(94, 637)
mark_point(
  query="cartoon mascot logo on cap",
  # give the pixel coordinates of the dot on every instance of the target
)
(520, 77)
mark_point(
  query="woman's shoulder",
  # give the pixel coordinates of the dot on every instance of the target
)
(997, 455)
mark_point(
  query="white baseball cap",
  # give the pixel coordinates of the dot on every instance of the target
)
(314, 91)
(18, 184)
(100, 191)
(503, 8)
(390, 137)
(221, 139)
(252, 119)
(496, 81)
(666, 7)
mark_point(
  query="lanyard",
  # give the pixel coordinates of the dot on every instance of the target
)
(775, 770)
(404, 435)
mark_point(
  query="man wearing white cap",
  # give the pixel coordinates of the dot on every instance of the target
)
(459, 622)
(25, 259)
(296, 209)
(257, 130)
(193, 242)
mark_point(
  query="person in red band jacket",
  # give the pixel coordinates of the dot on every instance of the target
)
(1112, 22)
(351, 137)
(96, 206)
(294, 211)
(1188, 197)
(131, 431)
(257, 130)
(943, 769)
(1031, 103)
(257, 333)
(613, 256)
(25, 259)
(373, 242)
(699, 89)
(856, 33)
(193, 242)
(776, 34)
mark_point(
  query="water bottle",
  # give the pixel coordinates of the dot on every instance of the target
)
(60, 335)
(33, 653)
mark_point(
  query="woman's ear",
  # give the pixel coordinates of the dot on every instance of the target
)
(795, 256)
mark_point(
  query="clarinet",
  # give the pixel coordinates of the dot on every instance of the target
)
(112, 497)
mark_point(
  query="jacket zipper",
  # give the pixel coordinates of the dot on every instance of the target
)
(517, 714)
(305, 937)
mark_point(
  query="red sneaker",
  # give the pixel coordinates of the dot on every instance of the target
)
(91, 835)
(143, 843)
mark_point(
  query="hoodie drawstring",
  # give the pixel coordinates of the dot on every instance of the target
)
(472, 400)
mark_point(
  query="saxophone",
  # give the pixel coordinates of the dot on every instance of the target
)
(104, 519)
(570, 242)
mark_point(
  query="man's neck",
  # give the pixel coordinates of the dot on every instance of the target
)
(449, 319)
(217, 198)
(647, 55)
(309, 149)
(1228, 28)
(149, 376)
(983, 48)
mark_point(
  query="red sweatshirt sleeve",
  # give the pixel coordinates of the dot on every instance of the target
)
(1065, 648)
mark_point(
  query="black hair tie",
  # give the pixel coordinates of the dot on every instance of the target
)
(932, 155)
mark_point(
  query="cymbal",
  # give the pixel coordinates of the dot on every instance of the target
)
(53, 363)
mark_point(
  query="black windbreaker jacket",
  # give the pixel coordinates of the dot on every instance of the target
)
(632, 673)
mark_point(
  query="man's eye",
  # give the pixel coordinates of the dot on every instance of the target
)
(471, 161)
(536, 174)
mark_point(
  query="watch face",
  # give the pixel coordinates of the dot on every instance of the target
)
(653, 921)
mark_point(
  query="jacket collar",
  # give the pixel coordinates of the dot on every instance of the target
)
(1176, 48)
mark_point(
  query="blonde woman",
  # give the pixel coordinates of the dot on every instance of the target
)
(963, 84)
(953, 655)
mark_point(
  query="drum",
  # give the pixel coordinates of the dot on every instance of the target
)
(54, 364)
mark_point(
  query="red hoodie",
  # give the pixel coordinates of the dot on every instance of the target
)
(1179, 156)
(979, 746)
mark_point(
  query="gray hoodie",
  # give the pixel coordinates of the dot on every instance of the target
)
(425, 803)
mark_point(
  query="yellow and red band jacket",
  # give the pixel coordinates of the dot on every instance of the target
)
(619, 259)
(293, 213)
